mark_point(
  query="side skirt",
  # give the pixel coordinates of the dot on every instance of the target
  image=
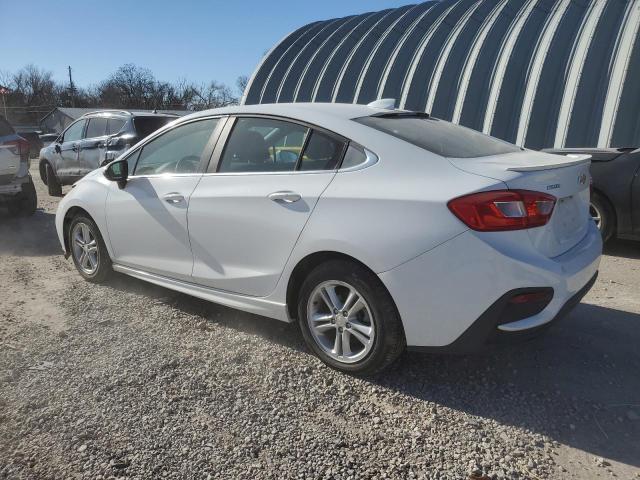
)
(255, 305)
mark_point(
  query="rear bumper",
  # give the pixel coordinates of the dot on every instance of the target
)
(486, 331)
(14, 187)
(452, 297)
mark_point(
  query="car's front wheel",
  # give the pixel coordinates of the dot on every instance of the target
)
(88, 250)
(348, 318)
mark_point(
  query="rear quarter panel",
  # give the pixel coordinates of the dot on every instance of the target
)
(388, 213)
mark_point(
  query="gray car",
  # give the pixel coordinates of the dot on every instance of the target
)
(17, 192)
(93, 140)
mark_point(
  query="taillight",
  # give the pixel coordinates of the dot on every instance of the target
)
(500, 210)
(19, 147)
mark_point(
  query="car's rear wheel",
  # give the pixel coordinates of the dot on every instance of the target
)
(53, 184)
(603, 215)
(88, 250)
(348, 319)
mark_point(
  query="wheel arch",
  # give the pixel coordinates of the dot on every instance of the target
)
(601, 193)
(68, 217)
(308, 263)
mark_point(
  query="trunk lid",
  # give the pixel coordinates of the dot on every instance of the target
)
(565, 177)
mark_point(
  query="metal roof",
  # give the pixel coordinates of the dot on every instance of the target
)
(539, 73)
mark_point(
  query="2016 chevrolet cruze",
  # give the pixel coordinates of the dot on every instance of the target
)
(377, 229)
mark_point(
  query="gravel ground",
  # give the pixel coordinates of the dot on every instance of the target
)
(132, 380)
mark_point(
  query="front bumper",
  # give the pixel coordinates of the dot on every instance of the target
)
(448, 296)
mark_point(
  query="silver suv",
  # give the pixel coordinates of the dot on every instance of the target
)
(93, 140)
(17, 192)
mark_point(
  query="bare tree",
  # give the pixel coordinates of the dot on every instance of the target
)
(215, 95)
(241, 82)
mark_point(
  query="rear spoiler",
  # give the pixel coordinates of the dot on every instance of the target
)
(563, 161)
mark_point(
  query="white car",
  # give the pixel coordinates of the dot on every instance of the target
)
(377, 229)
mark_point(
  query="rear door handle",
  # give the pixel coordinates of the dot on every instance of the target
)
(284, 197)
(173, 198)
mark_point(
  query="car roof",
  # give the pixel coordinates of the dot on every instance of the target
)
(127, 113)
(335, 117)
(305, 111)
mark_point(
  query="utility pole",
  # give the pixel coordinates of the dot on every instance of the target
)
(72, 89)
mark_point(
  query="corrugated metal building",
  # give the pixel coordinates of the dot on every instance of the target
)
(539, 73)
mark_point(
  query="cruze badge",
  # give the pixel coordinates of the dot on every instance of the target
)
(582, 178)
(551, 187)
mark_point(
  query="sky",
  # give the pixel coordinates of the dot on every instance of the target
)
(196, 40)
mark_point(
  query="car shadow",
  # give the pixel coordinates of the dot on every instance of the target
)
(622, 248)
(281, 333)
(32, 236)
(578, 383)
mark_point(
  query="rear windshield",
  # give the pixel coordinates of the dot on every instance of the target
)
(145, 126)
(5, 128)
(438, 136)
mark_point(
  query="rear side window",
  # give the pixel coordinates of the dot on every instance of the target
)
(97, 127)
(439, 137)
(5, 128)
(322, 152)
(115, 125)
(145, 126)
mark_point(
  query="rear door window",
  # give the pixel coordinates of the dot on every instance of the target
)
(263, 145)
(438, 136)
(97, 127)
(322, 152)
(115, 125)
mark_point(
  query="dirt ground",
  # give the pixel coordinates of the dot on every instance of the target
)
(577, 388)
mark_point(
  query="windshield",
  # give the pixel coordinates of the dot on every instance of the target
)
(145, 126)
(438, 136)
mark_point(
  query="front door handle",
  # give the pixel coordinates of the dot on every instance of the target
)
(284, 197)
(174, 198)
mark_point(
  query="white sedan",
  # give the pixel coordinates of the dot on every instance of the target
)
(376, 229)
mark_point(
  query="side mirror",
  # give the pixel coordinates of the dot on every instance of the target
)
(57, 148)
(118, 172)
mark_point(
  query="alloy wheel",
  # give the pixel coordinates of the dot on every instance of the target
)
(596, 215)
(340, 321)
(85, 248)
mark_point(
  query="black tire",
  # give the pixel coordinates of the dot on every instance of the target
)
(43, 171)
(601, 207)
(26, 202)
(104, 268)
(389, 340)
(53, 184)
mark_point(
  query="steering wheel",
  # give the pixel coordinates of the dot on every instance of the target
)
(187, 164)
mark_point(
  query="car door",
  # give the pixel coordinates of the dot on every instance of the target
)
(248, 211)
(93, 145)
(147, 219)
(66, 161)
